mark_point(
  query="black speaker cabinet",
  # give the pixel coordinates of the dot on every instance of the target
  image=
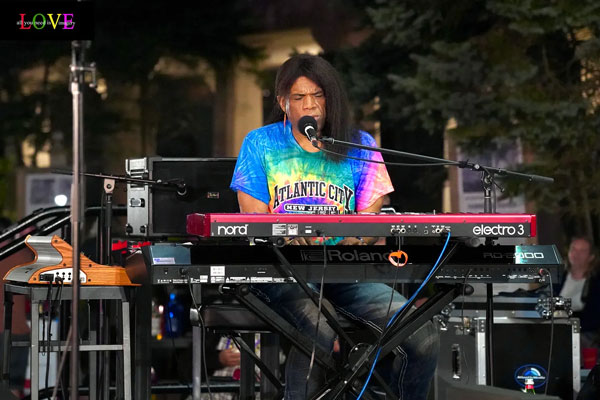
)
(521, 349)
(453, 390)
(156, 211)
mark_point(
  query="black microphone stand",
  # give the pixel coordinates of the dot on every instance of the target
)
(488, 178)
(78, 69)
(105, 242)
(105, 223)
(489, 206)
(491, 171)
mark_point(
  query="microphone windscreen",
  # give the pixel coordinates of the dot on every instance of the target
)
(305, 122)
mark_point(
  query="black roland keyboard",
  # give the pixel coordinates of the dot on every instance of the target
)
(242, 263)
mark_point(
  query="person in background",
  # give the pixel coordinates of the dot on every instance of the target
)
(581, 284)
(228, 364)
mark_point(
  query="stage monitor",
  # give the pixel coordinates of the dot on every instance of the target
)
(155, 211)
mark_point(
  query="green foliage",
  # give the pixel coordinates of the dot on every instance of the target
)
(130, 38)
(5, 189)
(366, 72)
(502, 68)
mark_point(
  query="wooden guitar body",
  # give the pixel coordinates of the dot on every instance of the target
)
(54, 258)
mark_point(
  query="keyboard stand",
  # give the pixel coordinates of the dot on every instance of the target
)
(38, 294)
(286, 268)
(399, 333)
(402, 327)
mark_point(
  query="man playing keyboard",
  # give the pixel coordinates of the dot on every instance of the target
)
(279, 170)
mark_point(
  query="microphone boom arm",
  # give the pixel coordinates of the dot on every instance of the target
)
(181, 186)
(459, 164)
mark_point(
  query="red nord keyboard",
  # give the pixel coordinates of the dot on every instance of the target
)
(417, 225)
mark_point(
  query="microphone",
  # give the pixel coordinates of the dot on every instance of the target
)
(182, 188)
(308, 126)
(178, 184)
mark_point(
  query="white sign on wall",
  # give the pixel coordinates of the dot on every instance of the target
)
(46, 190)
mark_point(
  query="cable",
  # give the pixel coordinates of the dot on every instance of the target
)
(234, 339)
(314, 348)
(400, 309)
(462, 321)
(174, 348)
(386, 162)
(45, 306)
(203, 341)
(551, 329)
(62, 361)
(105, 308)
(51, 310)
(387, 314)
(203, 344)
(424, 282)
(59, 356)
(46, 335)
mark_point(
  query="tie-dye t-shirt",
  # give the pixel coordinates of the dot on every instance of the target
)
(273, 168)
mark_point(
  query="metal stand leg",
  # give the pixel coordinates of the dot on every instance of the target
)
(196, 361)
(120, 362)
(266, 372)
(105, 355)
(93, 357)
(126, 351)
(399, 331)
(66, 309)
(143, 316)
(279, 324)
(124, 390)
(247, 369)
(34, 359)
(269, 354)
(489, 321)
(288, 270)
(7, 339)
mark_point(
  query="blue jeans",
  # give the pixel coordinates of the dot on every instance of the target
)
(408, 370)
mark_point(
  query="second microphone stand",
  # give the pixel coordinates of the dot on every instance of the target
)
(489, 206)
(105, 222)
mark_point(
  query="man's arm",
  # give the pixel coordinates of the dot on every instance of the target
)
(250, 205)
(374, 208)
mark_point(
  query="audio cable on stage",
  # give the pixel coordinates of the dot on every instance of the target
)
(391, 321)
(203, 328)
(462, 321)
(321, 289)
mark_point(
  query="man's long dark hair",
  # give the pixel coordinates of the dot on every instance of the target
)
(337, 122)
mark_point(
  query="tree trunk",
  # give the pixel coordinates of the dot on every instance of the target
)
(143, 108)
(40, 136)
(222, 111)
(17, 142)
(586, 212)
